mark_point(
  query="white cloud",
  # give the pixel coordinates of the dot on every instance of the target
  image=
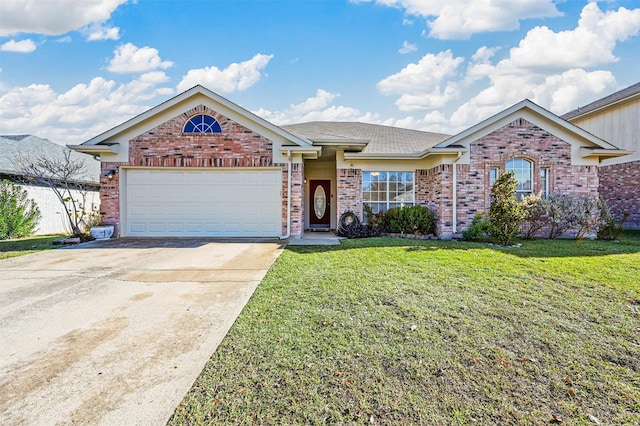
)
(420, 85)
(52, 17)
(22, 46)
(554, 69)
(316, 108)
(459, 19)
(236, 77)
(129, 58)
(591, 43)
(551, 68)
(407, 47)
(81, 112)
(100, 31)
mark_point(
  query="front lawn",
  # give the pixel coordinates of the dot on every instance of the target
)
(22, 246)
(388, 331)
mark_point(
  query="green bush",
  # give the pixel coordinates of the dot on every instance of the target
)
(609, 228)
(478, 228)
(505, 213)
(535, 216)
(405, 220)
(19, 215)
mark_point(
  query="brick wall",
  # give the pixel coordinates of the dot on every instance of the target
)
(297, 199)
(523, 139)
(110, 195)
(620, 187)
(434, 190)
(167, 146)
(349, 191)
(235, 146)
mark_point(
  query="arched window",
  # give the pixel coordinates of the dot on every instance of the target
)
(202, 124)
(524, 175)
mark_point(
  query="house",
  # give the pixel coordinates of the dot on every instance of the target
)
(53, 217)
(200, 165)
(616, 118)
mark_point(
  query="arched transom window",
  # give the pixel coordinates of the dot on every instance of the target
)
(202, 124)
(524, 174)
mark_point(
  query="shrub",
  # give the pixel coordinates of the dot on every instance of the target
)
(505, 213)
(406, 220)
(19, 215)
(585, 215)
(609, 228)
(478, 228)
(560, 217)
(535, 215)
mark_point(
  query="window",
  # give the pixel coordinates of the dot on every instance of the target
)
(544, 182)
(386, 190)
(202, 124)
(524, 175)
(493, 176)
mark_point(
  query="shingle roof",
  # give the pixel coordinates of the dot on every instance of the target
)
(614, 97)
(381, 139)
(12, 145)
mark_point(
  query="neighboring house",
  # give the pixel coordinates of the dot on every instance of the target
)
(200, 165)
(616, 118)
(53, 220)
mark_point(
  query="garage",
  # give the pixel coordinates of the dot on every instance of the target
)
(202, 202)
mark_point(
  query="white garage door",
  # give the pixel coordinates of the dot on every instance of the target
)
(218, 203)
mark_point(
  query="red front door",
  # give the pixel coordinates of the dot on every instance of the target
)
(319, 203)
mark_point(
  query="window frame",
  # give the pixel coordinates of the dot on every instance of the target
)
(545, 181)
(202, 128)
(387, 203)
(520, 193)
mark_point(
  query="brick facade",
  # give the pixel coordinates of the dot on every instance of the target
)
(620, 187)
(297, 198)
(349, 191)
(110, 195)
(167, 146)
(519, 139)
(433, 189)
(236, 146)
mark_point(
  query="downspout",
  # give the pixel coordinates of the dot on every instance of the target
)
(454, 227)
(288, 234)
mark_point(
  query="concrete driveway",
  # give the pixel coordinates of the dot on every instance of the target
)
(115, 332)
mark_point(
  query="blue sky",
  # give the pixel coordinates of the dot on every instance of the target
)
(71, 69)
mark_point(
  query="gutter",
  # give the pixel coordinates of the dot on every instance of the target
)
(289, 164)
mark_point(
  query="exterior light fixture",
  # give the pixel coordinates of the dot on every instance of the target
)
(111, 174)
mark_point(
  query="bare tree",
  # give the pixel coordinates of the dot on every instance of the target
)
(67, 176)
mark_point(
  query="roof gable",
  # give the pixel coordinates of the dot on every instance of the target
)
(536, 115)
(185, 101)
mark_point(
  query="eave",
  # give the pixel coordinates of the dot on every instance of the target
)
(453, 150)
(308, 153)
(351, 144)
(96, 149)
(602, 153)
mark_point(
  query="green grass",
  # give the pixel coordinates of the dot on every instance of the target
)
(387, 332)
(22, 246)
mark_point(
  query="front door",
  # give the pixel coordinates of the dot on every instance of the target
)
(319, 202)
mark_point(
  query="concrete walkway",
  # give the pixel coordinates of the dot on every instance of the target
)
(316, 238)
(116, 332)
